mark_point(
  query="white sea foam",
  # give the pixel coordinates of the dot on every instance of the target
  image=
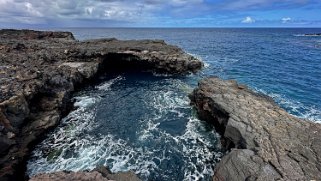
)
(307, 35)
(65, 139)
(206, 65)
(199, 144)
(84, 101)
(296, 108)
(106, 85)
(71, 148)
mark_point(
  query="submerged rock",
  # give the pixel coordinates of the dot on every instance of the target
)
(265, 142)
(39, 71)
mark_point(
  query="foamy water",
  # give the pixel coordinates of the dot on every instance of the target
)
(295, 108)
(167, 141)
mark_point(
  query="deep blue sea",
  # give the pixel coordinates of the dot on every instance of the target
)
(143, 122)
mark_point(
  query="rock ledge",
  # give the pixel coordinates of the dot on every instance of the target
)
(99, 174)
(265, 142)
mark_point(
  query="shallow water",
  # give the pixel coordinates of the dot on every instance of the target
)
(143, 122)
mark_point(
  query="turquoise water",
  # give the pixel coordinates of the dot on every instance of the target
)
(143, 122)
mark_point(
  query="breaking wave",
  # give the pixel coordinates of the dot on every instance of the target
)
(296, 108)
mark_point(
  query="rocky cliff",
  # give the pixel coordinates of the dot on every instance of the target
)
(264, 141)
(40, 70)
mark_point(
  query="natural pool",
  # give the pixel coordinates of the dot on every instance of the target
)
(133, 121)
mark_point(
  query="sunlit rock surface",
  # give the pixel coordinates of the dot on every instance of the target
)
(266, 142)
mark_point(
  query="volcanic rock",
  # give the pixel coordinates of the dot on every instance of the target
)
(264, 141)
(99, 174)
(40, 70)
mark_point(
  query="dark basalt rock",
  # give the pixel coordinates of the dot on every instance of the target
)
(34, 35)
(264, 141)
(40, 70)
(99, 174)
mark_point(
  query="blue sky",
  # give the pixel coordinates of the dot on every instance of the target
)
(160, 13)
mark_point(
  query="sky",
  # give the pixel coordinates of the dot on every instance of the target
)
(160, 13)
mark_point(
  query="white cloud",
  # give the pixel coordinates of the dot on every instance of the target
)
(184, 2)
(286, 20)
(32, 11)
(258, 4)
(248, 20)
(89, 10)
(129, 11)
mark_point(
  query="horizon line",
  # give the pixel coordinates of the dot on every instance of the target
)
(146, 27)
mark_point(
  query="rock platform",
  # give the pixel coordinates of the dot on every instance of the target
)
(264, 142)
(99, 174)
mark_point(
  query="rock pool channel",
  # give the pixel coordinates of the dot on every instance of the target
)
(132, 121)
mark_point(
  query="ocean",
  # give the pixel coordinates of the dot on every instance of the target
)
(143, 122)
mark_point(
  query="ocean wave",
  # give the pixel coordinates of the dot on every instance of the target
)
(58, 147)
(84, 101)
(295, 108)
(307, 35)
(107, 85)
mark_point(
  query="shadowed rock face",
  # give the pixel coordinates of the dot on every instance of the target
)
(39, 71)
(266, 142)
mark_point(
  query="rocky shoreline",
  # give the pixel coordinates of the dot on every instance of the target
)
(40, 70)
(98, 174)
(264, 141)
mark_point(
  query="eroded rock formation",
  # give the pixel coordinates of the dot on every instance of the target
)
(40, 70)
(265, 142)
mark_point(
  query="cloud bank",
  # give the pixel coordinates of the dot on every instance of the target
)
(156, 12)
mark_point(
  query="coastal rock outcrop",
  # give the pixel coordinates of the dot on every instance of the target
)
(99, 174)
(40, 70)
(264, 141)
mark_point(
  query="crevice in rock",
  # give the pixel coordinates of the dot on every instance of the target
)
(211, 113)
(276, 169)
